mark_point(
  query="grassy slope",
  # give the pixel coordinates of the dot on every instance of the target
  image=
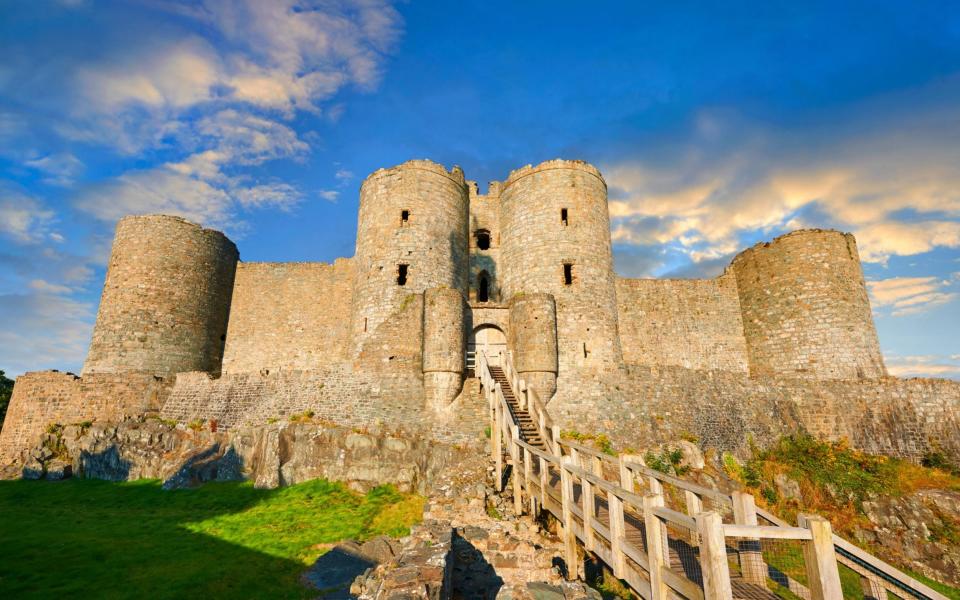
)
(223, 540)
(834, 481)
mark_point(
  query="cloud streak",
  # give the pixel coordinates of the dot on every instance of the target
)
(890, 177)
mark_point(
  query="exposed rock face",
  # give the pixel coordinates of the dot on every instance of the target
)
(271, 456)
(922, 530)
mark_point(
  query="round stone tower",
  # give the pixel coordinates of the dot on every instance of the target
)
(411, 236)
(166, 299)
(533, 341)
(444, 345)
(556, 240)
(805, 308)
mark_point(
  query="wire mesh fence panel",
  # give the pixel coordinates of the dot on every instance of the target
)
(683, 545)
(767, 568)
(724, 508)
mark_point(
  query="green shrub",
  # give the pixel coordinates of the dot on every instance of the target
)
(667, 461)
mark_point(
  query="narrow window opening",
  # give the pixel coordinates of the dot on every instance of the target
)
(563, 217)
(404, 217)
(483, 239)
(402, 274)
(483, 289)
(567, 274)
(365, 324)
(586, 352)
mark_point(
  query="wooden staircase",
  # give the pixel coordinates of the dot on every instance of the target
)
(528, 429)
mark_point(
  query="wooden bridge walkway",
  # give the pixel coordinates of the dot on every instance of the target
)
(664, 536)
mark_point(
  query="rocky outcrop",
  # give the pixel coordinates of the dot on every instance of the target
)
(270, 456)
(921, 530)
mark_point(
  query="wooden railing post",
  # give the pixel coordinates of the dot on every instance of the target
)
(823, 576)
(626, 475)
(515, 458)
(497, 434)
(555, 433)
(694, 507)
(652, 482)
(569, 536)
(751, 556)
(713, 557)
(617, 535)
(656, 558)
(588, 505)
(527, 472)
(544, 481)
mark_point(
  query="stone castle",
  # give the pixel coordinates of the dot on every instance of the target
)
(782, 340)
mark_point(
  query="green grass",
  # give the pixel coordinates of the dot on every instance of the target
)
(85, 538)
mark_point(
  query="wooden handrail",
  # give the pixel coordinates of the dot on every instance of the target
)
(506, 438)
(765, 532)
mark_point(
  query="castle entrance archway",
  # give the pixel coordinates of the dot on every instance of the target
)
(485, 338)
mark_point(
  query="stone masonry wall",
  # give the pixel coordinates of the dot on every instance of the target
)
(431, 242)
(805, 308)
(485, 215)
(647, 406)
(45, 397)
(537, 243)
(166, 298)
(289, 316)
(338, 394)
(693, 323)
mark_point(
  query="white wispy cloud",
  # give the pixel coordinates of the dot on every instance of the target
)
(47, 328)
(23, 218)
(889, 176)
(926, 365)
(59, 168)
(222, 102)
(909, 295)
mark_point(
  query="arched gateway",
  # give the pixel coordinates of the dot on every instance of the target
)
(486, 338)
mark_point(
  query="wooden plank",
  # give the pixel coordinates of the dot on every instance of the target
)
(569, 537)
(823, 577)
(618, 562)
(752, 567)
(766, 532)
(713, 557)
(655, 545)
(515, 472)
(677, 518)
(882, 567)
(498, 446)
(586, 497)
(637, 555)
(684, 586)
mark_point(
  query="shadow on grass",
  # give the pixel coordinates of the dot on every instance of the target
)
(88, 538)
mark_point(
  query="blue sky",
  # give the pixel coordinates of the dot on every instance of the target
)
(716, 127)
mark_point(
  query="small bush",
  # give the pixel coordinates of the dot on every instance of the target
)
(668, 461)
(303, 417)
(937, 460)
(196, 424)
